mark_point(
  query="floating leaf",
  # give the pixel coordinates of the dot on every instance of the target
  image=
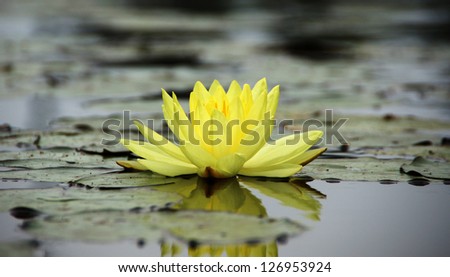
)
(55, 157)
(60, 174)
(370, 130)
(98, 226)
(120, 122)
(65, 201)
(97, 140)
(193, 227)
(25, 184)
(359, 169)
(428, 152)
(124, 180)
(427, 168)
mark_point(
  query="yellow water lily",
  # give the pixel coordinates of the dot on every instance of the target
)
(226, 134)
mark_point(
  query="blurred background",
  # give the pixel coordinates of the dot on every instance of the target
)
(66, 58)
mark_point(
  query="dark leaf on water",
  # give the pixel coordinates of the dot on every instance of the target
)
(426, 168)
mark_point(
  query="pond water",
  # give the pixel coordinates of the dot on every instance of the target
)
(381, 67)
(355, 219)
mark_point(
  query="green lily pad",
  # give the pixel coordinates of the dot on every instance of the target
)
(98, 226)
(97, 140)
(55, 157)
(117, 122)
(359, 169)
(193, 227)
(426, 168)
(68, 201)
(124, 180)
(60, 174)
(375, 131)
(45, 163)
(429, 152)
(226, 228)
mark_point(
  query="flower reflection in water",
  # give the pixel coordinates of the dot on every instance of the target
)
(235, 195)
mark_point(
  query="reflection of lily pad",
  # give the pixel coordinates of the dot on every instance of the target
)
(193, 227)
(61, 201)
(427, 168)
(18, 248)
(124, 180)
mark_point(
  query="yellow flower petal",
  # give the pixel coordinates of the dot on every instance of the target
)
(168, 112)
(272, 101)
(285, 150)
(153, 153)
(252, 141)
(247, 98)
(200, 88)
(259, 88)
(197, 155)
(200, 117)
(234, 125)
(234, 91)
(310, 155)
(218, 138)
(200, 93)
(193, 102)
(161, 142)
(258, 109)
(218, 94)
(167, 168)
(181, 121)
(229, 166)
(276, 171)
